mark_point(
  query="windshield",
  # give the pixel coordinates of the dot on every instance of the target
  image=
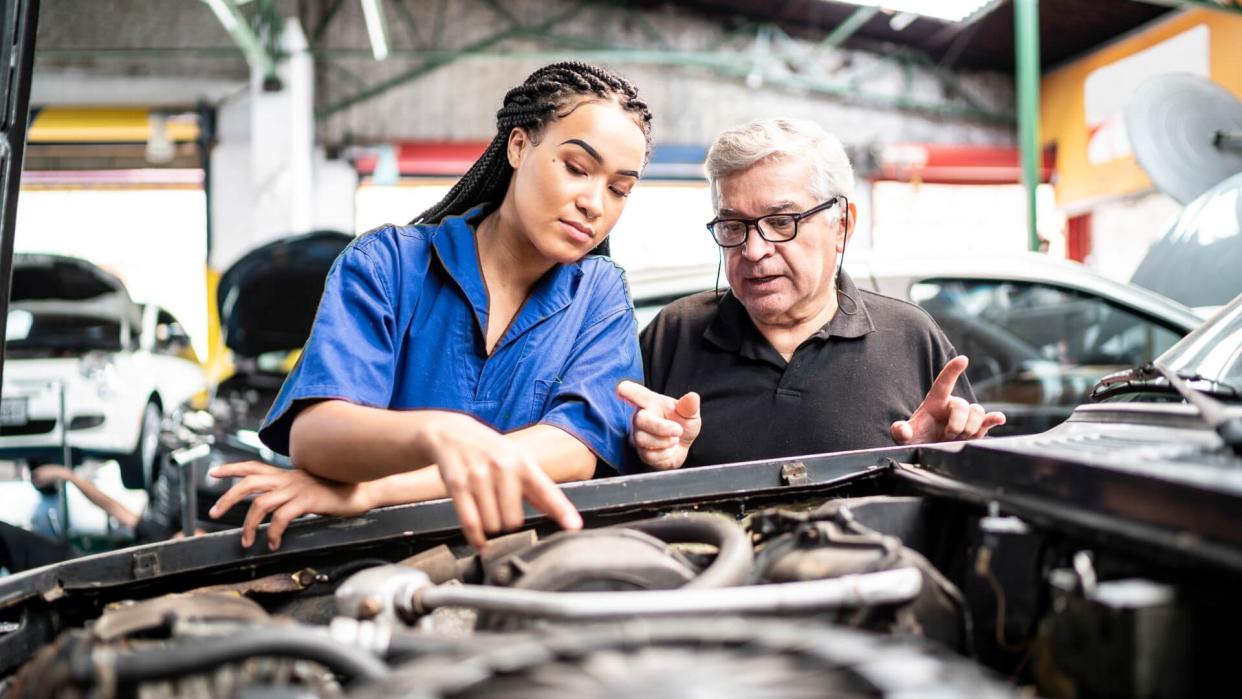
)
(1214, 350)
(36, 333)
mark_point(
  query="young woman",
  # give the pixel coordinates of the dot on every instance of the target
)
(474, 353)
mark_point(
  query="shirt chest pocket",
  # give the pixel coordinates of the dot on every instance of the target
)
(539, 398)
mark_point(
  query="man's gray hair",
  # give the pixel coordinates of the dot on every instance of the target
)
(737, 149)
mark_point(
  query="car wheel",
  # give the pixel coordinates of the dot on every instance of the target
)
(138, 469)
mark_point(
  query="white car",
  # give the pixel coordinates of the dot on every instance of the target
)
(87, 369)
(1039, 331)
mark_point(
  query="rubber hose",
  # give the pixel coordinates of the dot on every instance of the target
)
(734, 556)
(203, 655)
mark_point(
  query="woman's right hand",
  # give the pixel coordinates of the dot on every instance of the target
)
(287, 494)
(488, 475)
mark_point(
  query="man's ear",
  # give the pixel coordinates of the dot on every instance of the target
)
(848, 221)
(519, 143)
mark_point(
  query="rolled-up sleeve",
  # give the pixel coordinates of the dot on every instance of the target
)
(584, 401)
(350, 354)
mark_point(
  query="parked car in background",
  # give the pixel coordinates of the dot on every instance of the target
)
(1039, 332)
(89, 369)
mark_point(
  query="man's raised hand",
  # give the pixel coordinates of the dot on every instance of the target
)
(663, 428)
(942, 416)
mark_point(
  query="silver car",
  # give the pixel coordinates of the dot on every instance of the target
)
(1039, 331)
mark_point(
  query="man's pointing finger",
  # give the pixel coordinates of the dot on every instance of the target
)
(942, 387)
(640, 396)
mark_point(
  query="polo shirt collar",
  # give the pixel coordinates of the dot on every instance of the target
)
(457, 249)
(731, 328)
(852, 320)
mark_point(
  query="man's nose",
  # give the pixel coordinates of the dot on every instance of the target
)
(755, 248)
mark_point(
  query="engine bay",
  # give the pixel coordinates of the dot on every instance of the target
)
(1098, 559)
(847, 579)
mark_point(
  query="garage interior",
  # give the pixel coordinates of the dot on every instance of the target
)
(178, 136)
(1007, 161)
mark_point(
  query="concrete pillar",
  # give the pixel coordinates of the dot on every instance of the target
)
(268, 179)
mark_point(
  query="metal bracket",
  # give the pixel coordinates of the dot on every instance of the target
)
(146, 565)
(794, 474)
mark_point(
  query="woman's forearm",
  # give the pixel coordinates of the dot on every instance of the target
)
(403, 488)
(558, 453)
(351, 443)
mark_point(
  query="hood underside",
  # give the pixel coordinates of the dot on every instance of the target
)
(268, 298)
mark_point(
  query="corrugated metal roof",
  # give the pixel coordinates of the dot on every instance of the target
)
(1068, 28)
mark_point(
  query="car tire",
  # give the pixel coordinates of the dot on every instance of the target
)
(138, 468)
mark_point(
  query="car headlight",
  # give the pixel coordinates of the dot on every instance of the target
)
(100, 369)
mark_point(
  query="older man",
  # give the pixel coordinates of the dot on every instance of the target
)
(793, 358)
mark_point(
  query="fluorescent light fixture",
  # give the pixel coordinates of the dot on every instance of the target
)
(376, 30)
(901, 20)
(224, 13)
(943, 10)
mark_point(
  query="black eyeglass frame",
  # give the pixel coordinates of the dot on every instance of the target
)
(754, 223)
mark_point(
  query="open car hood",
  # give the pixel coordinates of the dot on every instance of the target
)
(268, 298)
(38, 277)
(62, 285)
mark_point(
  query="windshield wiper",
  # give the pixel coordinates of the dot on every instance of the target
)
(1217, 387)
(1211, 410)
(1146, 377)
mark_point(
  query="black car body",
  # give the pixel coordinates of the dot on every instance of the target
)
(266, 302)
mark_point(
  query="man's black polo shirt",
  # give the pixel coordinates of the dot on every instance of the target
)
(842, 389)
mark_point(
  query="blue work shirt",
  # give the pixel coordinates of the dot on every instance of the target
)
(402, 325)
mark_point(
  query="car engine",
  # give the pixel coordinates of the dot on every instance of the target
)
(686, 604)
(864, 594)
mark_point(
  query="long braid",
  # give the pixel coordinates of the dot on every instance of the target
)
(531, 106)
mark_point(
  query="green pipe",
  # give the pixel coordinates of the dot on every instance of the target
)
(847, 28)
(248, 42)
(326, 20)
(1026, 31)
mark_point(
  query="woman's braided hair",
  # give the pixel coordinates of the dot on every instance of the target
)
(531, 106)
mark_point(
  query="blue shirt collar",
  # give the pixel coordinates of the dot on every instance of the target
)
(457, 249)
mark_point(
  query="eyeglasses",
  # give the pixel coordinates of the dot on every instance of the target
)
(774, 228)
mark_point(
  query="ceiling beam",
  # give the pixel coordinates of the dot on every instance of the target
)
(433, 60)
(238, 27)
(847, 28)
(720, 62)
